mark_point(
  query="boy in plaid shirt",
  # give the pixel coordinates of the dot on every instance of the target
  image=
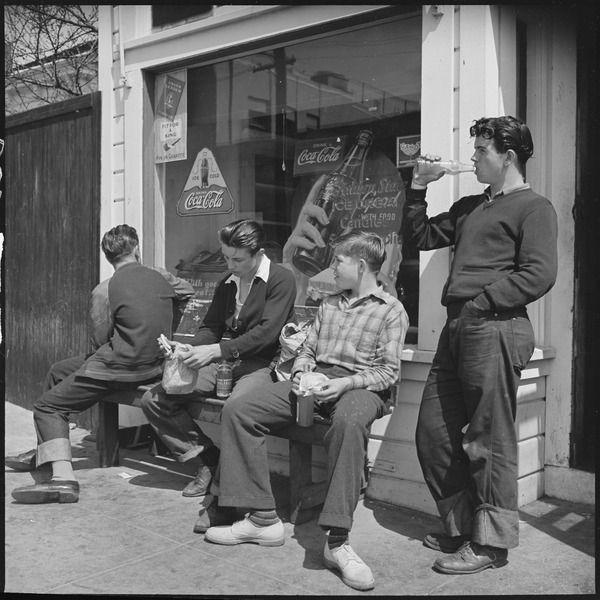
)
(356, 340)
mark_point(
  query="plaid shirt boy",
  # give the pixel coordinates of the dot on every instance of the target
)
(364, 335)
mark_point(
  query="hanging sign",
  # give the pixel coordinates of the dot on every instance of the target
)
(170, 125)
(408, 149)
(205, 192)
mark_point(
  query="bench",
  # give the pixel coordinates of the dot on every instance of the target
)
(304, 494)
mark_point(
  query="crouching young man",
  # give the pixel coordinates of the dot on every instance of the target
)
(356, 340)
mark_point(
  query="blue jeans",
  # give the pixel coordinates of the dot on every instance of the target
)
(67, 392)
(246, 420)
(173, 417)
(466, 439)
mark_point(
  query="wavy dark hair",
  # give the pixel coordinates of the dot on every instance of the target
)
(508, 133)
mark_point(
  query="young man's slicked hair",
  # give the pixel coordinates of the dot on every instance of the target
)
(245, 233)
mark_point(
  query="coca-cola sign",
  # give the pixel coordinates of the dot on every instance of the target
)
(205, 192)
(318, 156)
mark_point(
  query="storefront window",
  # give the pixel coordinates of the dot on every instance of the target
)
(256, 135)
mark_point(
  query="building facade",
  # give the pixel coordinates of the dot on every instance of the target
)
(225, 112)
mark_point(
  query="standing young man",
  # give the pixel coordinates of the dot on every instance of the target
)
(356, 340)
(505, 257)
(129, 311)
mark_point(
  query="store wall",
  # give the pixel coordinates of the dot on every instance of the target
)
(468, 71)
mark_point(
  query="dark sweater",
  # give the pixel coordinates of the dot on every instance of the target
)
(268, 307)
(505, 253)
(141, 302)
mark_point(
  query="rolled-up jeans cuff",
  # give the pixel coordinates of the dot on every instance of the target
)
(56, 449)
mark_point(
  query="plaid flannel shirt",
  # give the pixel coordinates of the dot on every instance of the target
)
(364, 335)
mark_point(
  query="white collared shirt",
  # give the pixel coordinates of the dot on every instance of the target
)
(262, 272)
(507, 190)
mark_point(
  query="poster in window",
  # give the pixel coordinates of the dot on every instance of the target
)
(205, 191)
(365, 192)
(408, 149)
(170, 125)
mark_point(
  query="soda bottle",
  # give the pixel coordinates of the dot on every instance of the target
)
(204, 172)
(451, 167)
(224, 379)
(334, 189)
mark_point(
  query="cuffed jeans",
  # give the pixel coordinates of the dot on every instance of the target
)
(173, 416)
(67, 392)
(466, 439)
(246, 421)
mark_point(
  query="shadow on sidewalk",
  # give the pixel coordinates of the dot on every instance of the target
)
(570, 523)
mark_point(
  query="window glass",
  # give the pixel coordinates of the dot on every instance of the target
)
(263, 132)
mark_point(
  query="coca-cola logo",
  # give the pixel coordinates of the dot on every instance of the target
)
(327, 154)
(204, 200)
(198, 202)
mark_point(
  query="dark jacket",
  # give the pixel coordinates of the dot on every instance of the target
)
(141, 302)
(268, 307)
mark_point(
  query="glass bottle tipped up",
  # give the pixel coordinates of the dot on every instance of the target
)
(426, 167)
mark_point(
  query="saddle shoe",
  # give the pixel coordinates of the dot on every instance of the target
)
(55, 490)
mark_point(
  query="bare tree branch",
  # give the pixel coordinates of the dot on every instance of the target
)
(51, 53)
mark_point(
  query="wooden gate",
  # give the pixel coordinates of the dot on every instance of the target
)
(51, 249)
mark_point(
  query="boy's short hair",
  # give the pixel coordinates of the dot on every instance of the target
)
(245, 233)
(362, 244)
(118, 242)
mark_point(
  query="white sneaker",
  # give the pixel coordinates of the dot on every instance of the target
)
(246, 531)
(355, 573)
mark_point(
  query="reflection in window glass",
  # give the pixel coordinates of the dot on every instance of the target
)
(272, 126)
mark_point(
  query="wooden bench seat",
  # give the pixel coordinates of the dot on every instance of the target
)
(304, 493)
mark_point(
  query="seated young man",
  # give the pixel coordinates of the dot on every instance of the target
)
(251, 305)
(356, 340)
(129, 311)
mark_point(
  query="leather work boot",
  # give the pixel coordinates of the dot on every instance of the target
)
(471, 558)
(201, 483)
(355, 573)
(209, 459)
(22, 462)
(51, 491)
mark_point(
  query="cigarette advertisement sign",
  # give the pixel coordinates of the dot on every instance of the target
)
(205, 191)
(170, 125)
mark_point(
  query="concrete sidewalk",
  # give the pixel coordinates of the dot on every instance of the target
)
(131, 533)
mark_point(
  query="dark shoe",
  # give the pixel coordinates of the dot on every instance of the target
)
(21, 462)
(472, 558)
(215, 515)
(201, 483)
(50, 491)
(445, 543)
